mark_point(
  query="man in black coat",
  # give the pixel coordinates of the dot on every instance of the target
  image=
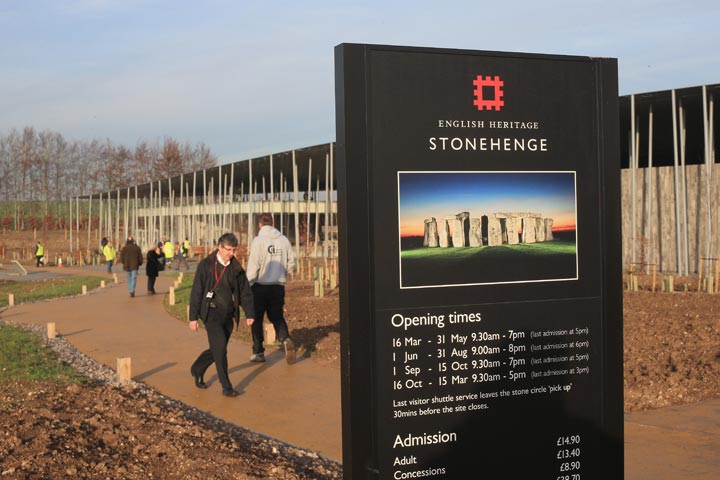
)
(219, 289)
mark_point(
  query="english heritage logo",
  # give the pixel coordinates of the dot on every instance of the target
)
(489, 84)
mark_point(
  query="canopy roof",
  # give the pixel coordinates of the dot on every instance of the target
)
(690, 99)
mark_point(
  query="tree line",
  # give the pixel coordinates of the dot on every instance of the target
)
(40, 170)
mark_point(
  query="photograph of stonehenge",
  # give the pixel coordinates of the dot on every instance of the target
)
(477, 228)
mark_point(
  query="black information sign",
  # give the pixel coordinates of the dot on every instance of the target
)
(481, 307)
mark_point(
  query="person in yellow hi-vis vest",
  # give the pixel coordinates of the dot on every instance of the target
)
(109, 253)
(168, 253)
(39, 254)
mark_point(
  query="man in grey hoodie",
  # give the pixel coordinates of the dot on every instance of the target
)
(271, 259)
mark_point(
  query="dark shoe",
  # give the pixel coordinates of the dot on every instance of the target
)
(289, 351)
(230, 392)
(132, 294)
(199, 382)
(257, 357)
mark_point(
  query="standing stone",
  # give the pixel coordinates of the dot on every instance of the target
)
(539, 229)
(475, 232)
(528, 230)
(548, 229)
(431, 233)
(460, 225)
(445, 234)
(512, 231)
(495, 232)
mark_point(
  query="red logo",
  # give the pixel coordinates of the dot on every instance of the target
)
(482, 103)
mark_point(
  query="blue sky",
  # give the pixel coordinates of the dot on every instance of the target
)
(251, 78)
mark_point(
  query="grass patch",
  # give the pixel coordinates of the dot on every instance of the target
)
(481, 265)
(23, 356)
(182, 298)
(33, 291)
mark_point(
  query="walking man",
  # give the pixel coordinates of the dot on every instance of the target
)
(271, 259)
(131, 258)
(220, 287)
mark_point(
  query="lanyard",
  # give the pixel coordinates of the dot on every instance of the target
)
(217, 279)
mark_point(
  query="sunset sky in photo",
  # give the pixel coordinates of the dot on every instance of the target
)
(439, 194)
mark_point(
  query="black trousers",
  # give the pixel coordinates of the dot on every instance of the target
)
(270, 299)
(218, 328)
(151, 283)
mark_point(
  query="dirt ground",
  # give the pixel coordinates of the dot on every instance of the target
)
(671, 357)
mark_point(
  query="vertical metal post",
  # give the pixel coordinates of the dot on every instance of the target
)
(677, 187)
(282, 202)
(204, 210)
(650, 187)
(171, 226)
(683, 189)
(220, 194)
(89, 220)
(232, 197)
(150, 226)
(181, 214)
(296, 194)
(193, 224)
(70, 210)
(633, 169)
(127, 214)
(317, 215)
(77, 221)
(326, 223)
(117, 217)
(161, 217)
(251, 225)
(100, 218)
(136, 222)
(331, 190)
(307, 210)
(708, 172)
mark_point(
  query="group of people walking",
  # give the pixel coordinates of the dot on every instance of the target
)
(158, 258)
(221, 287)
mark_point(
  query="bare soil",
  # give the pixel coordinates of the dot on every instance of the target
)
(671, 357)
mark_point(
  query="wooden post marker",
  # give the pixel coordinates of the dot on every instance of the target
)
(171, 296)
(700, 277)
(84, 289)
(124, 372)
(115, 279)
(102, 283)
(11, 299)
(654, 276)
(51, 330)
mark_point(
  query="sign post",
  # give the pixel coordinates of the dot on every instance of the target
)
(481, 296)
